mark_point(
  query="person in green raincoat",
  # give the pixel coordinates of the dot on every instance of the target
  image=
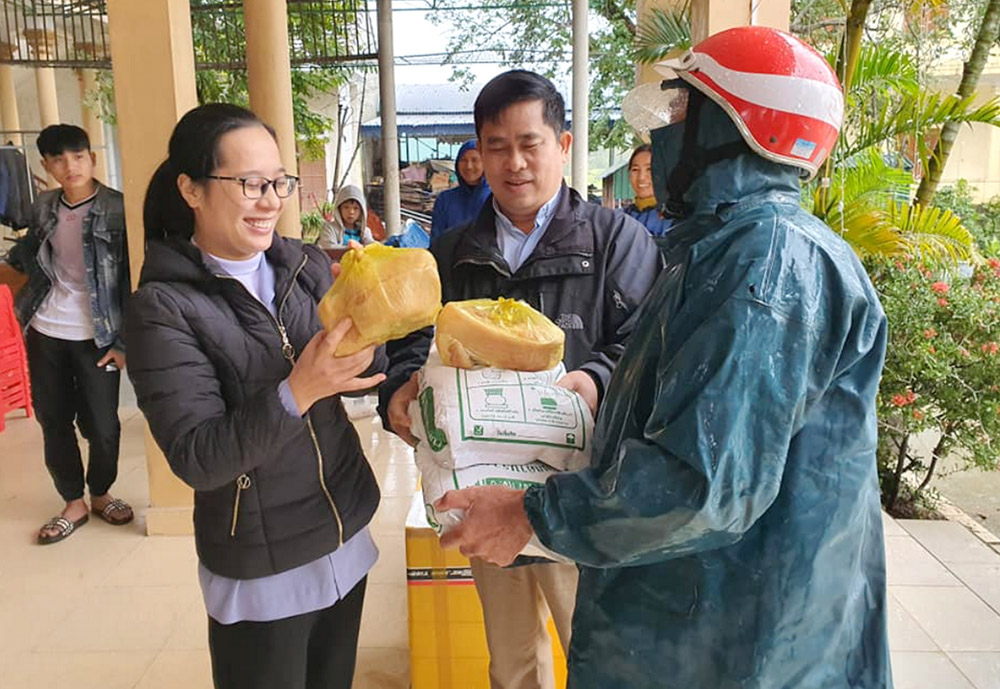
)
(728, 530)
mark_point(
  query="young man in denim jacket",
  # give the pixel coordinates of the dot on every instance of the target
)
(76, 258)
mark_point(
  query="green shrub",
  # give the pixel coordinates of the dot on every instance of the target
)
(942, 371)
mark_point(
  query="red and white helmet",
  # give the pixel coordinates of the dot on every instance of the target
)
(780, 92)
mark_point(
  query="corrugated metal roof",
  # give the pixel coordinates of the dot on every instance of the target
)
(428, 124)
(434, 110)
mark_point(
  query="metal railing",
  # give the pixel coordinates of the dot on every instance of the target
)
(73, 33)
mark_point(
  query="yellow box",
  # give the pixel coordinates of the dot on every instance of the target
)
(447, 638)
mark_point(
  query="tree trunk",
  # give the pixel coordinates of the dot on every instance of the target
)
(897, 476)
(988, 31)
(847, 62)
(850, 48)
(936, 455)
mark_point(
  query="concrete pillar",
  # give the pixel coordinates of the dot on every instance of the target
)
(712, 16)
(269, 78)
(42, 43)
(581, 96)
(92, 123)
(152, 57)
(390, 135)
(8, 97)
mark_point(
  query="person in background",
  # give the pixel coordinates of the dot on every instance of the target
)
(350, 220)
(585, 267)
(75, 256)
(644, 207)
(462, 204)
(242, 392)
(729, 529)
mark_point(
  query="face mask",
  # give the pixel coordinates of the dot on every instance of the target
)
(667, 143)
(682, 151)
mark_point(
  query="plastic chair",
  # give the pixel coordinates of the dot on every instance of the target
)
(15, 383)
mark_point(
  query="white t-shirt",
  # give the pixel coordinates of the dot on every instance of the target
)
(66, 312)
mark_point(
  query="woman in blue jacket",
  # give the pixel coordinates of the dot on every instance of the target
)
(644, 207)
(461, 205)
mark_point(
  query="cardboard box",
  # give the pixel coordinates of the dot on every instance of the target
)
(447, 638)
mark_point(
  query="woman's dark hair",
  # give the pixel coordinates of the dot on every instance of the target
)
(517, 86)
(193, 151)
(645, 148)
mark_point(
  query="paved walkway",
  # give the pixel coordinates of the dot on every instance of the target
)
(111, 609)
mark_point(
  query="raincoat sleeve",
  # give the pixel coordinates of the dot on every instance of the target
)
(633, 265)
(709, 459)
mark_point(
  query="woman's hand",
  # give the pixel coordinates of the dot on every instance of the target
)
(318, 374)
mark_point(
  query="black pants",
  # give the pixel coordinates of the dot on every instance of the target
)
(68, 386)
(316, 650)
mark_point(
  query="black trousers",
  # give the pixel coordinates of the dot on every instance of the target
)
(66, 387)
(316, 650)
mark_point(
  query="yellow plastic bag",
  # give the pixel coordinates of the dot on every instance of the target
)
(387, 292)
(502, 333)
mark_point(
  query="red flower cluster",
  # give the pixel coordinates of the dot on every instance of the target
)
(940, 287)
(990, 348)
(899, 400)
(942, 302)
(930, 333)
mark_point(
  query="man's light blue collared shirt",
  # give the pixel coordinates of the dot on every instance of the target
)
(516, 245)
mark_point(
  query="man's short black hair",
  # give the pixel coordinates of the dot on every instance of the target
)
(59, 138)
(517, 86)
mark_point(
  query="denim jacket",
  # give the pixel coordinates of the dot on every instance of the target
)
(105, 254)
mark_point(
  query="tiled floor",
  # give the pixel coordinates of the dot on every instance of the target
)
(110, 609)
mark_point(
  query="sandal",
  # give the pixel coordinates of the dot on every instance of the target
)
(63, 527)
(118, 506)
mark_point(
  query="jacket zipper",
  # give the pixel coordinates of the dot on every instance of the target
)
(288, 351)
(242, 483)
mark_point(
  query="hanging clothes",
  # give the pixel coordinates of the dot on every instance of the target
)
(15, 188)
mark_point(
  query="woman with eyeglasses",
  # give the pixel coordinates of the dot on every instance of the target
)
(241, 389)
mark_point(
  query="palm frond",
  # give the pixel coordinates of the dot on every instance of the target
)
(916, 114)
(883, 69)
(866, 208)
(869, 233)
(865, 182)
(662, 33)
(932, 232)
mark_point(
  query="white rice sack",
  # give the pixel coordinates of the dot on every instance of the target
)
(435, 481)
(492, 416)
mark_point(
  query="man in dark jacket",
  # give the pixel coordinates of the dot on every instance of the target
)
(75, 256)
(461, 205)
(585, 267)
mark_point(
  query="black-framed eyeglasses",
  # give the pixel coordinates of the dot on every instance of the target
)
(255, 187)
